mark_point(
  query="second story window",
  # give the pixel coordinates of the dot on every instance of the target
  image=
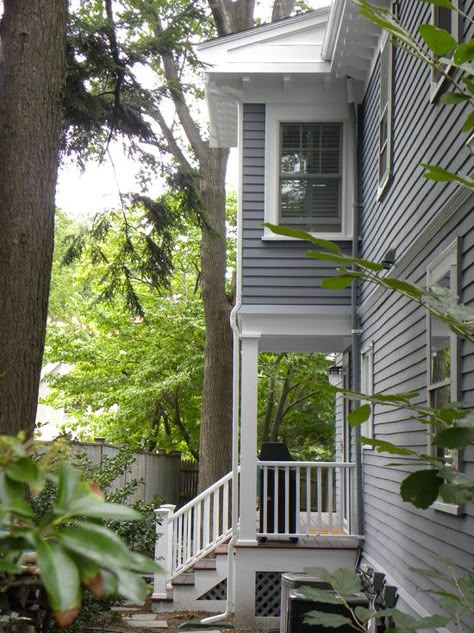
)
(450, 21)
(385, 117)
(311, 176)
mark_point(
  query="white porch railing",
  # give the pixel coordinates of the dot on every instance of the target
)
(310, 499)
(305, 498)
(195, 530)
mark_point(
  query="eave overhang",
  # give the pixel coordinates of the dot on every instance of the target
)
(350, 41)
(283, 49)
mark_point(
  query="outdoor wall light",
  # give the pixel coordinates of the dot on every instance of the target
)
(335, 374)
(389, 258)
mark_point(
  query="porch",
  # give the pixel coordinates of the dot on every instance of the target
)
(302, 518)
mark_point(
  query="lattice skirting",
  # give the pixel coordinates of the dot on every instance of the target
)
(267, 593)
(218, 592)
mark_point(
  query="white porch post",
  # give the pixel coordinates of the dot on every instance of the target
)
(248, 438)
(163, 549)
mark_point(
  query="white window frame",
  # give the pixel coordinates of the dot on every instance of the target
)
(437, 85)
(385, 109)
(305, 113)
(445, 263)
(367, 387)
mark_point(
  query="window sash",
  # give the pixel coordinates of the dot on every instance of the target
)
(310, 187)
(385, 116)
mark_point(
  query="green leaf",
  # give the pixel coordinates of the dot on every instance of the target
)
(441, 3)
(464, 53)
(92, 508)
(469, 123)
(466, 582)
(403, 286)
(68, 483)
(96, 543)
(320, 595)
(332, 620)
(338, 283)
(143, 564)
(360, 415)
(303, 235)
(434, 172)
(345, 581)
(430, 573)
(455, 437)
(26, 471)
(12, 497)
(131, 586)
(110, 582)
(454, 493)
(421, 488)
(59, 575)
(438, 40)
(387, 447)
(363, 614)
(453, 98)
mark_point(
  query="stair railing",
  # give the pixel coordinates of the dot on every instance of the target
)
(191, 533)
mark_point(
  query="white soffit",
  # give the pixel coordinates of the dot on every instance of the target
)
(288, 47)
(351, 40)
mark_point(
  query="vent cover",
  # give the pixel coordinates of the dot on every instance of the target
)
(290, 583)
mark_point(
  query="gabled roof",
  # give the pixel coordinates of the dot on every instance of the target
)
(289, 45)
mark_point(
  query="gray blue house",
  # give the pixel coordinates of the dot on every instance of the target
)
(331, 123)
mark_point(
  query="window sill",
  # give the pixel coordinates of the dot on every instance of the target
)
(383, 186)
(448, 508)
(334, 237)
(438, 87)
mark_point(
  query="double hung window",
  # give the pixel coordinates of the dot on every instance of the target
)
(367, 386)
(443, 351)
(450, 21)
(385, 117)
(310, 184)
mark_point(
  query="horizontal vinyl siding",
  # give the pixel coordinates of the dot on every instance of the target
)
(397, 535)
(277, 272)
(422, 132)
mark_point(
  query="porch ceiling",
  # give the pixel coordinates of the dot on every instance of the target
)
(297, 328)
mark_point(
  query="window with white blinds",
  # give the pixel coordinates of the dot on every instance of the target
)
(311, 176)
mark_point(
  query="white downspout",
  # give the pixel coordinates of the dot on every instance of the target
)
(235, 391)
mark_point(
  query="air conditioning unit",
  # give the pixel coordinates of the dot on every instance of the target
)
(300, 606)
(291, 583)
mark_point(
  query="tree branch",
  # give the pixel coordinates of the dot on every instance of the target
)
(176, 91)
(172, 146)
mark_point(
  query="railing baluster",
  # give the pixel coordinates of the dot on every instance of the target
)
(297, 499)
(330, 499)
(205, 532)
(319, 476)
(263, 501)
(308, 499)
(215, 516)
(287, 499)
(225, 509)
(199, 527)
(184, 544)
(275, 499)
(342, 472)
(190, 534)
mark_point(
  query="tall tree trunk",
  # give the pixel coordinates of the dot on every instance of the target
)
(215, 448)
(32, 72)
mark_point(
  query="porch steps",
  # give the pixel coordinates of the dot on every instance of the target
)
(191, 589)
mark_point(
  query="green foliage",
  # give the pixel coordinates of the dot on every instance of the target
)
(72, 550)
(294, 405)
(135, 346)
(344, 583)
